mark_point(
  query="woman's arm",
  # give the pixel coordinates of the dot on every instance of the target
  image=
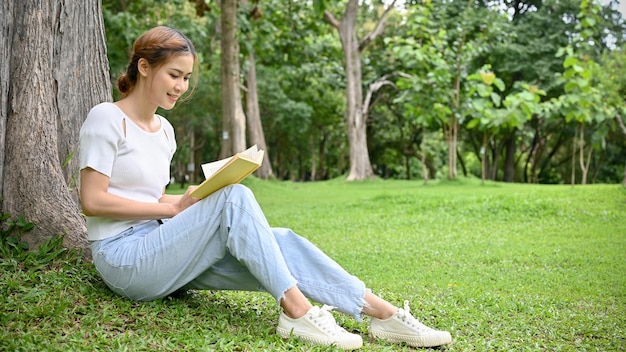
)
(170, 198)
(96, 201)
(184, 200)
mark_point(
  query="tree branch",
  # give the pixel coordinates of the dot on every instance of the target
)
(620, 123)
(379, 83)
(378, 29)
(331, 19)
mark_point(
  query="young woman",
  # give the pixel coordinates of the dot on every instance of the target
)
(147, 244)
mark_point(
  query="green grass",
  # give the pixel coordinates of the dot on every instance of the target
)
(501, 266)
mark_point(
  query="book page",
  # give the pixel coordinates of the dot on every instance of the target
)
(252, 152)
(210, 168)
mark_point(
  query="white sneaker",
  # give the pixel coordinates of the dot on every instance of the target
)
(318, 327)
(403, 327)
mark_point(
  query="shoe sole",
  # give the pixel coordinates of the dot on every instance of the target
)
(413, 341)
(284, 333)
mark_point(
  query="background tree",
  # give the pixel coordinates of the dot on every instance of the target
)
(301, 92)
(360, 165)
(54, 69)
(233, 117)
(582, 101)
(254, 122)
(610, 75)
(421, 105)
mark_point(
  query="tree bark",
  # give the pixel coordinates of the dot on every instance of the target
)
(509, 159)
(234, 120)
(6, 37)
(483, 158)
(255, 126)
(584, 166)
(622, 127)
(423, 157)
(360, 165)
(452, 131)
(54, 69)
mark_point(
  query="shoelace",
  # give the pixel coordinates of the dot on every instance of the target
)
(326, 321)
(405, 315)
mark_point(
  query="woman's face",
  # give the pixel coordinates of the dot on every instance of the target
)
(170, 81)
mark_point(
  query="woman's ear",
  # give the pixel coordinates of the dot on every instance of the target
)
(143, 67)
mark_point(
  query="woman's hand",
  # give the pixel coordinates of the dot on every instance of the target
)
(186, 200)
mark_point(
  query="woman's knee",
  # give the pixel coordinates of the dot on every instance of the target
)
(286, 236)
(281, 232)
(239, 191)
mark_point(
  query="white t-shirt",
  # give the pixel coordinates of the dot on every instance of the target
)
(137, 162)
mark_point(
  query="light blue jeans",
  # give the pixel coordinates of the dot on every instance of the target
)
(223, 242)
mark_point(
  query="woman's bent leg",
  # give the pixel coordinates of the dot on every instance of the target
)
(152, 261)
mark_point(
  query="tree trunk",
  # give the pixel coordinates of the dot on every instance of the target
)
(53, 70)
(453, 130)
(6, 39)
(622, 127)
(574, 143)
(483, 159)
(360, 165)
(423, 157)
(584, 165)
(509, 159)
(255, 127)
(234, 120)
(497, 152)
(531, 159)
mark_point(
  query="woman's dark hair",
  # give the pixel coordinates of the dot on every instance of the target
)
(158, 45)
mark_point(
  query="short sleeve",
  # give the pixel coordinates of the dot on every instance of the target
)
(100, 136)
(169, 134)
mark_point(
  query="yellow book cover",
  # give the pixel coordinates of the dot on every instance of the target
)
(224, 172)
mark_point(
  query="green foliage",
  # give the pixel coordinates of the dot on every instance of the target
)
(301, 89)
(486, 102)
(15, 252)
(427, 45)
(11, 231)
(534, 36)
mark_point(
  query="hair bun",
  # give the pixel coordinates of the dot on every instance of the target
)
(123, 83)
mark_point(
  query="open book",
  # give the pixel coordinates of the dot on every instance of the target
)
(224, 172)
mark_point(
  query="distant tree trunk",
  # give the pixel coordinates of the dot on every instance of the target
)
(584, 165)
(533, 154)
(255, 127)
(360, 165)
(423, 157)
(54, 68)
(483, 158)
(323, 173)
(234, 119)
(460, 157)
(452, 130)
(622, 127)
(509, 159)
(574, 143)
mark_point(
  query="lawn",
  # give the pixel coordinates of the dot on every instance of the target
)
(501, 266)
